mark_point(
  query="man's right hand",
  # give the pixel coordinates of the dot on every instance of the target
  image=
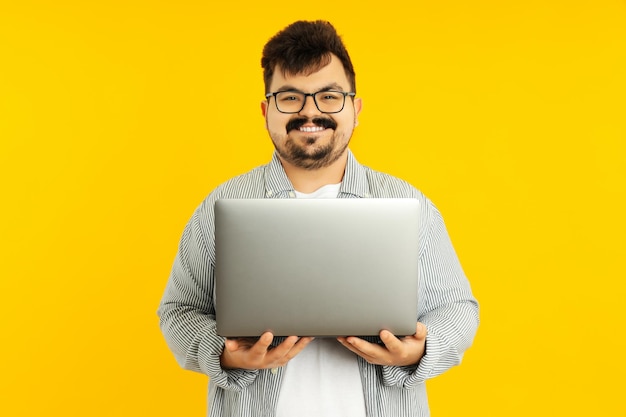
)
(243, 354)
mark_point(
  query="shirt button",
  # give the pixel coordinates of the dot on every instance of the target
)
(270, 193)
(274, 371)
(292, 194)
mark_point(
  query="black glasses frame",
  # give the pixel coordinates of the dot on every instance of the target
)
(312, 95)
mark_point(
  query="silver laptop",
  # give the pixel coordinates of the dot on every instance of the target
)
(316, 267)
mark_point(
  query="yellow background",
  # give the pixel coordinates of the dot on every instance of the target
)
(118, 117)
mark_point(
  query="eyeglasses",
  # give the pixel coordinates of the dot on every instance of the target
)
(327, 101)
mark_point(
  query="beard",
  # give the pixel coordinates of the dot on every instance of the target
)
(319, 157)
(309, 156)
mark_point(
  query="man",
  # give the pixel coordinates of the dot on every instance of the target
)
(310, 112)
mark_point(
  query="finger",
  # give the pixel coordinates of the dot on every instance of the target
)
(286, 350)
(356, 351)
(366, 348)
(283, 348)
(301, 343)
(348, 346)
(421, 331)
(231, 345)
(299, 346)
(242, 342)
(392, 343)
(296, 349)
(259, 349)
(265, 340)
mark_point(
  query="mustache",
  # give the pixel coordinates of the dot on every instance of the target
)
(297, 123)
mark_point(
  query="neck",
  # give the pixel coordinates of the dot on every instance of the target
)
(307, 180)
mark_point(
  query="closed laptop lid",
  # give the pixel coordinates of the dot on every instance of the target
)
(316, 267)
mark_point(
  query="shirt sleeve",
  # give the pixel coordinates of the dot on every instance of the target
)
(446, 306)
(187, 309)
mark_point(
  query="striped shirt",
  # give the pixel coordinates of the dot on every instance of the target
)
(446, 304)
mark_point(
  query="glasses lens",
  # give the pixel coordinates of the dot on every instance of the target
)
(329, 101)
(290, 101)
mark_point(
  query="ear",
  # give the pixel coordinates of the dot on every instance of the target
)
(264, 107)
(358, 106)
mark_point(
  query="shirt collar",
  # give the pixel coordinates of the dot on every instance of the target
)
(354, 183)
(277, 185)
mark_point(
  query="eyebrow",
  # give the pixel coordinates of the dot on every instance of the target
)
(328, 87)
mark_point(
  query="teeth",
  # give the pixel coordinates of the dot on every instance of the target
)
(311, 129)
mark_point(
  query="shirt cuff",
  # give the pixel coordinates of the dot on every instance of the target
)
(229, 379)
(409, 377)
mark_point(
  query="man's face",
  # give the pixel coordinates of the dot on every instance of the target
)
(311, 139)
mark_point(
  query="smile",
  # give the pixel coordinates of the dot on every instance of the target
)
(310, 129)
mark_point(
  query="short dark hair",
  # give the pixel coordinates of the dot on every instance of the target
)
(304, 47)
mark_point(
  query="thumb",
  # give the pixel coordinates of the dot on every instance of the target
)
(421, 331)
(231, 345)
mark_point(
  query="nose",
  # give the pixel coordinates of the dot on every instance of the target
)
(310, 108)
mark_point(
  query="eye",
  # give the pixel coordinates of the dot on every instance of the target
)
(329, 96)
(288, 96)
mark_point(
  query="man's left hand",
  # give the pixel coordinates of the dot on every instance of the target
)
(395, 352)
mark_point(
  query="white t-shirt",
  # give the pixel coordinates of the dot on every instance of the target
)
(324, 379)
